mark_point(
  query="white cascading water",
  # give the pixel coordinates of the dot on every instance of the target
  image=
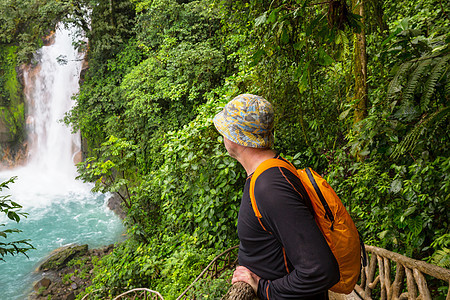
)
(52, 146)
(61, 209)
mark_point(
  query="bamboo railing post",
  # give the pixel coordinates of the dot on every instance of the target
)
(387, 277)
(398, 281)
(422, 285)
(370, 274)
(363, 277)
(382, 277)
(448, 294)
(412, 291)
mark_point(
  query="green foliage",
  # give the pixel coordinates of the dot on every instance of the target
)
(111, 26)
(200, 184)
(24, 23)
(111, 171)
(168, 264)
(402, 208)
(159, 73)
(410, 141)
(441, 256)
(12, 111)
(12, 210)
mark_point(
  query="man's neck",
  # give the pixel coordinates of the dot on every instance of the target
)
(251, 158)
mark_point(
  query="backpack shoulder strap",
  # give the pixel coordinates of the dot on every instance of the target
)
(267, 164)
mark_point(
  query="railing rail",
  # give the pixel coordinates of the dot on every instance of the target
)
(416, 283)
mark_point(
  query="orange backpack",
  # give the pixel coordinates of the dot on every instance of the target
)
(332, 218)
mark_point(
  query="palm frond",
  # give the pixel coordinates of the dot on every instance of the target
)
(447, 86)
(410, 141)
(395, 85)
(415, 79)
(437, 72)
(442, 258)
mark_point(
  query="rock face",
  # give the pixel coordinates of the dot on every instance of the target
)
(5, 134)
(115, 204)
(66, 272)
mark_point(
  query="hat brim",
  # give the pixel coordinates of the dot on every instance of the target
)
(222, 126)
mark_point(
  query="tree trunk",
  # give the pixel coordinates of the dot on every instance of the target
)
(360, 67)
(240, 291)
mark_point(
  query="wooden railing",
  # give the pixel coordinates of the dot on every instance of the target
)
(375, 282)
(373, 278)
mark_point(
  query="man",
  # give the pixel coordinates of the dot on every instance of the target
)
(283, 255)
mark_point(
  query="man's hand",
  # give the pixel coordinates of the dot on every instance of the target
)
(243, 274)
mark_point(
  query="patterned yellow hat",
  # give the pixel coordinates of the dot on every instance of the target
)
(247, 120)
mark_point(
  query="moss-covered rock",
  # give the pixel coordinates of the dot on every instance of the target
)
(12, 107)
(71, 278)
(61, 256)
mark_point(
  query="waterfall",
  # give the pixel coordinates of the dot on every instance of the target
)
(49, 92)
(52, 147)
(62, 210)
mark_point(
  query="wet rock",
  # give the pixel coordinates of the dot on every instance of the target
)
(115, 204)
(43, 283)
(61, 256)
(70, 296)
(64, 282)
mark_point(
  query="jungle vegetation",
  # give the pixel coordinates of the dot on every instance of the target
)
(360, 89)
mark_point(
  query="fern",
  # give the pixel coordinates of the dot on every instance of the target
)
(441, 258)
(410, 141)
(395, 85)
(415, 79)
(437, 72)
(447, 86)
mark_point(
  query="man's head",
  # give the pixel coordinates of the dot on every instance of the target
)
(247, 120)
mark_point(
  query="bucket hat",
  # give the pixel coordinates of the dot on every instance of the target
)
(247, 120)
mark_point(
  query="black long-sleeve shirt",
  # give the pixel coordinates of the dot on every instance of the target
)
(290, 255)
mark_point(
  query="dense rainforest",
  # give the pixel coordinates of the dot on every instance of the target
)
(360, 90)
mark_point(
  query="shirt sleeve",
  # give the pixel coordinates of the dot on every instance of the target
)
(289, 219)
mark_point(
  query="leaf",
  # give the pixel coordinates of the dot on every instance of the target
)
(313, 25)
(430, 85)
(324, 58)
(344, 114)
(257, 56)
(261, 19)
(364, 152)
(383, 234)
(416, 225)
(415, 79)
(13, 216)
(391, 36)
(300, 45)
(303, 80)
(284, 36)
(410, 210)
(404, 24)
(273, 15)
(396, 186)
